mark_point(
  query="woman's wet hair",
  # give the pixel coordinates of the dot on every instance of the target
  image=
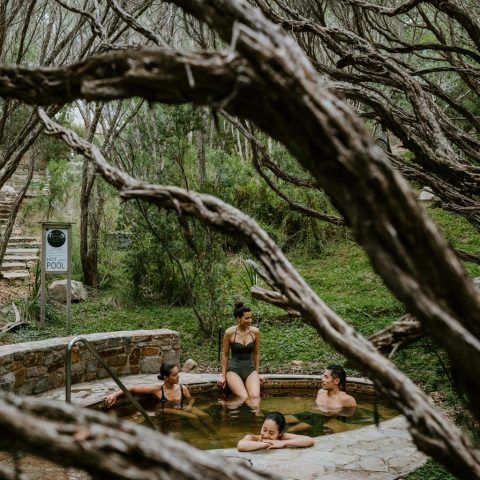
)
(278, 418)
(240, 309)
(165, 370)
(338, 372)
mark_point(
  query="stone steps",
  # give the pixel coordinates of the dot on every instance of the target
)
(24, 245)
(13, 265)
(22, 251)
(12, 276)
(20, 258)
(15, 239)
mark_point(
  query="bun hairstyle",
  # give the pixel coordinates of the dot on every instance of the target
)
(278, 418)
(165, 370)
(240, 309)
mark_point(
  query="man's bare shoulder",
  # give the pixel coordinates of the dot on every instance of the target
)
(321, 394)
(348, 400)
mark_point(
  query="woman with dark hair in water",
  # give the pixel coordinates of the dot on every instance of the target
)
(273, 435)
(241, 372)
(169, 391)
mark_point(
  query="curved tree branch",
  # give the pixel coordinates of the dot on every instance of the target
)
(104, 446)
(266, 160)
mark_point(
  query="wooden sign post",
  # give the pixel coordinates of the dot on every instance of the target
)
(56, 258)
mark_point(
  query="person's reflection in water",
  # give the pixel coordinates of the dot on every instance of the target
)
(233, 402)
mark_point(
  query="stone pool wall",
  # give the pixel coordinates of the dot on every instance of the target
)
(278, 383)
(35, 367)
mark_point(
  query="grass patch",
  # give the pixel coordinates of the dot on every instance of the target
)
(342, 277)
(430, 471)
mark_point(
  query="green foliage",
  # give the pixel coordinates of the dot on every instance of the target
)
(177, 264)
(459, 233)
(30, 306)
(61, 183)
(430, 471)
(185, 264)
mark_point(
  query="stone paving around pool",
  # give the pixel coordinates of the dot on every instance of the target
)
(374, 453)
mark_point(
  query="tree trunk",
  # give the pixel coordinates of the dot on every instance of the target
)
(201, 165)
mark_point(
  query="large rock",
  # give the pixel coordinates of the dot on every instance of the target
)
(189, 365)
(426, 195)
(57, 291)
(297, 365)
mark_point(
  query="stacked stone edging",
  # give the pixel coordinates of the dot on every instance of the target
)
(35, 367)
(277, 383)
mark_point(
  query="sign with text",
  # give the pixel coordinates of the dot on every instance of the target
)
(56, 250)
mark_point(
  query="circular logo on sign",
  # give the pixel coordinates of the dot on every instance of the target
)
(56, 238)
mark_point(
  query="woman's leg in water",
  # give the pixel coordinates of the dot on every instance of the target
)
(236, 385)
(252, 384)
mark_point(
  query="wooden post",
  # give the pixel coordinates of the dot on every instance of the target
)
(42, 281)
(69, 280)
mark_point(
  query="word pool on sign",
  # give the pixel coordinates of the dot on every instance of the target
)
(56, 250)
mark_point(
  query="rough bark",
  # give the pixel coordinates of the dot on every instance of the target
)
(265, 77)
(398, 335)
(89, 214)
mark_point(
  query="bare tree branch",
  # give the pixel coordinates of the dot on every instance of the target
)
(449, 7)
(104, 446)
(397, 335)
(256, 145)
(132, 22)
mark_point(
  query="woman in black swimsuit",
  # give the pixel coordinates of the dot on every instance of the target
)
(241, 374)
(169, 391)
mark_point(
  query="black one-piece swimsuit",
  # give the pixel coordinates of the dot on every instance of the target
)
(241, 361)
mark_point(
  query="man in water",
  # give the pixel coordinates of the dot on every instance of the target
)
(331, 398)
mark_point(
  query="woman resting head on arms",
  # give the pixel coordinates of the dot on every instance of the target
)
(169, 391)
(241, 371)
(273, 435)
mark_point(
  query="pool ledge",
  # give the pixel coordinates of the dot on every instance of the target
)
(374, 453)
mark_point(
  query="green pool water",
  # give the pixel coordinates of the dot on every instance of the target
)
(217, 422)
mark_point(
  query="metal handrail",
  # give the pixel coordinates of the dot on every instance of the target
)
(68, 377)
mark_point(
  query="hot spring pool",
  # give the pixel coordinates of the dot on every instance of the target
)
(214, 421)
